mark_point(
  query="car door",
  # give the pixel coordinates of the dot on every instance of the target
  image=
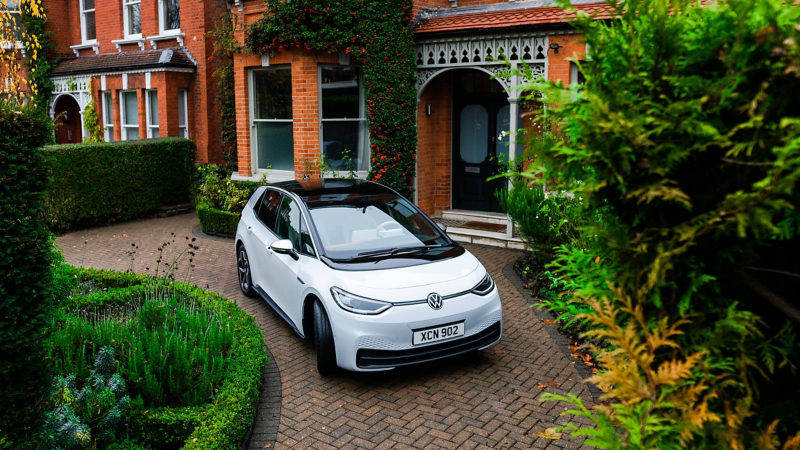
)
(263, 235)
(283, 275)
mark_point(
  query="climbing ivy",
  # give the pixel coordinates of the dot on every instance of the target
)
(92, 121)
(225, 47)
(379, 34)
(38, 59)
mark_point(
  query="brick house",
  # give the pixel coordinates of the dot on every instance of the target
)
(461, 111)
(146, 65)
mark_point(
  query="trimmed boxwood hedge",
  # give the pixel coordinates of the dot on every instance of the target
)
(96, 182)
(216, 220)
(220, 424)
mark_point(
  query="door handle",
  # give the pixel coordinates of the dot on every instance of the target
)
(249, 229)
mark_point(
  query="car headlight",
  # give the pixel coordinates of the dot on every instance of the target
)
(358, 305)
(485, 286)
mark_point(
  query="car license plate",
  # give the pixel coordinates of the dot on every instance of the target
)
(440, 333)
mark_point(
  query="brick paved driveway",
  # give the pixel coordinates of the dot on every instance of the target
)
(483, 401)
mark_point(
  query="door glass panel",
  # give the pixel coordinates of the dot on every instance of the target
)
(289, 222)
(503, 125)
(269, 208)
(275, 145)
(474, 137)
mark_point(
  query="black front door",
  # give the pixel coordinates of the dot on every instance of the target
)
(481, 114)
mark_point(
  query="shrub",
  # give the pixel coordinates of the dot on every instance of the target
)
(26, 253)
(221, 200)
(90, 415)
(694, 147)
(218, 424)
(97, 182)
(217, 221)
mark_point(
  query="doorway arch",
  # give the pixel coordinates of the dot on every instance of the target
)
(69, 124)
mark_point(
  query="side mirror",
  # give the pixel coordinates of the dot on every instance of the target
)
(284, 247)
(442, 226)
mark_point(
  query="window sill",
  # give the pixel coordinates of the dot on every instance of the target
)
(129, 40)
(273, 176)
(166, 36)
(13, 46)
(88, 45)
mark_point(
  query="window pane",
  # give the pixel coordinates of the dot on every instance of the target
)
(184, 133)
(269, 208)
(172, 14)
(344, 145)
(340, 93)
(134, 19)
(109, 112)
(289, 222)
(17, 24)
(88, 4)
(91, 30)
(153, 96)
(110, 134)
(131, 134)
(275, 145)
(181, 107)
(273, 92)
(153, 133)
(131, 108)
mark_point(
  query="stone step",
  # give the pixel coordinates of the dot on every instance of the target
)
(485, 238)
(477, 216)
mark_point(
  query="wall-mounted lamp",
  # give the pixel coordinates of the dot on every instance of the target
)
(66, 117)
(555, 47)
(428, 110)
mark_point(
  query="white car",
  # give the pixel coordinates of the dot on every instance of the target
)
(364, 273)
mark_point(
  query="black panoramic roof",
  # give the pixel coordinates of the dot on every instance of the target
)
(328, 186)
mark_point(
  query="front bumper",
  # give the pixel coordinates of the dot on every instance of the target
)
(383, 342)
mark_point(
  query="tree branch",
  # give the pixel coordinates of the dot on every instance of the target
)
(781, 272)
(792, 312)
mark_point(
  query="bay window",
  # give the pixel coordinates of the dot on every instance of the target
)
(343, 123)
(88, 27)
(108, 116)
(169, 16)
(132, 17)
(130, 115)
(183, 114)
(152, 113)
(271, 100)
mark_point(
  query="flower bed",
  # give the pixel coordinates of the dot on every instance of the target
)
(203, 334)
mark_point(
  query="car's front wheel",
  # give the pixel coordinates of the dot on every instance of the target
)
(323, 338)
(243, 269)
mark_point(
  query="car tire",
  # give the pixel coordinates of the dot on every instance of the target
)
(323, 339)
(243, 271)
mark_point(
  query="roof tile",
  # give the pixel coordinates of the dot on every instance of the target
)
(124, 61)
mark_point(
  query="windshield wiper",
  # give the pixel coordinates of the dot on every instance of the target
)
(396, 251)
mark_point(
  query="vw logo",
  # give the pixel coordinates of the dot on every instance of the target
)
(435, 300)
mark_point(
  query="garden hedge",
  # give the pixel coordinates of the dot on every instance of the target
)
(26, 255)
(217, 221)
(220, 424)
(97, 182)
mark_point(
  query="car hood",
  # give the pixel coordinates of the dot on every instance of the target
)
(415, 282)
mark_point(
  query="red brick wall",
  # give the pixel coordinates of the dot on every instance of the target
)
(558, 65)
(434, 145)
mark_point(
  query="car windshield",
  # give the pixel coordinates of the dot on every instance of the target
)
(357, 225)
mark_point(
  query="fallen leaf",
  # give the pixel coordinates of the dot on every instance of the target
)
(548, 321)
(525, 286)
(549, 433)
(589, 364)
(575, 355)
(268, 446)
(194, 440)
(541, 385)
(552, 383)
(595, 370)
(574, 348)
(498, 351)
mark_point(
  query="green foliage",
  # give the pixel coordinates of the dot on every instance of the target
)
(39, 69)
(89, 415)
(26, 255)
(685, 135)
(217, 221)
(218, 424)
(128, 444)
(92, 121)
(225, 47)
(97, 182)
(379, 34)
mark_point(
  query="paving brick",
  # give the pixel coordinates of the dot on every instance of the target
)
(485, 400)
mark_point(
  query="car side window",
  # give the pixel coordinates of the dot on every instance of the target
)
(289, 222)
(268, 210)
(306, 247)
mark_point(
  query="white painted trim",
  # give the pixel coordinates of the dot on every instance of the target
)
(147, 83)
(166, 36)
(103, 83)
(265, 60)
(280, 174)
(89, 45)
(148, 112)
(125, 21)
(137, 39)
(124, 81)
(127, 72)
(162, 23)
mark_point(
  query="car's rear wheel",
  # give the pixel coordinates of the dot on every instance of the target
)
(243, 269)
(323, 338)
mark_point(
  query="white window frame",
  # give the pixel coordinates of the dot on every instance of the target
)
(83, 23)
(126, 5)
(108, 103)
(123, 116)
(362, 174)
(272, 175)
(183, 128)
(162, 20)
(149, 113)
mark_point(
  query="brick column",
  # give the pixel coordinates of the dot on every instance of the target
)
(117, 115)
(242, 91)
(305, 109)
(166, 85)
(142, 98)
